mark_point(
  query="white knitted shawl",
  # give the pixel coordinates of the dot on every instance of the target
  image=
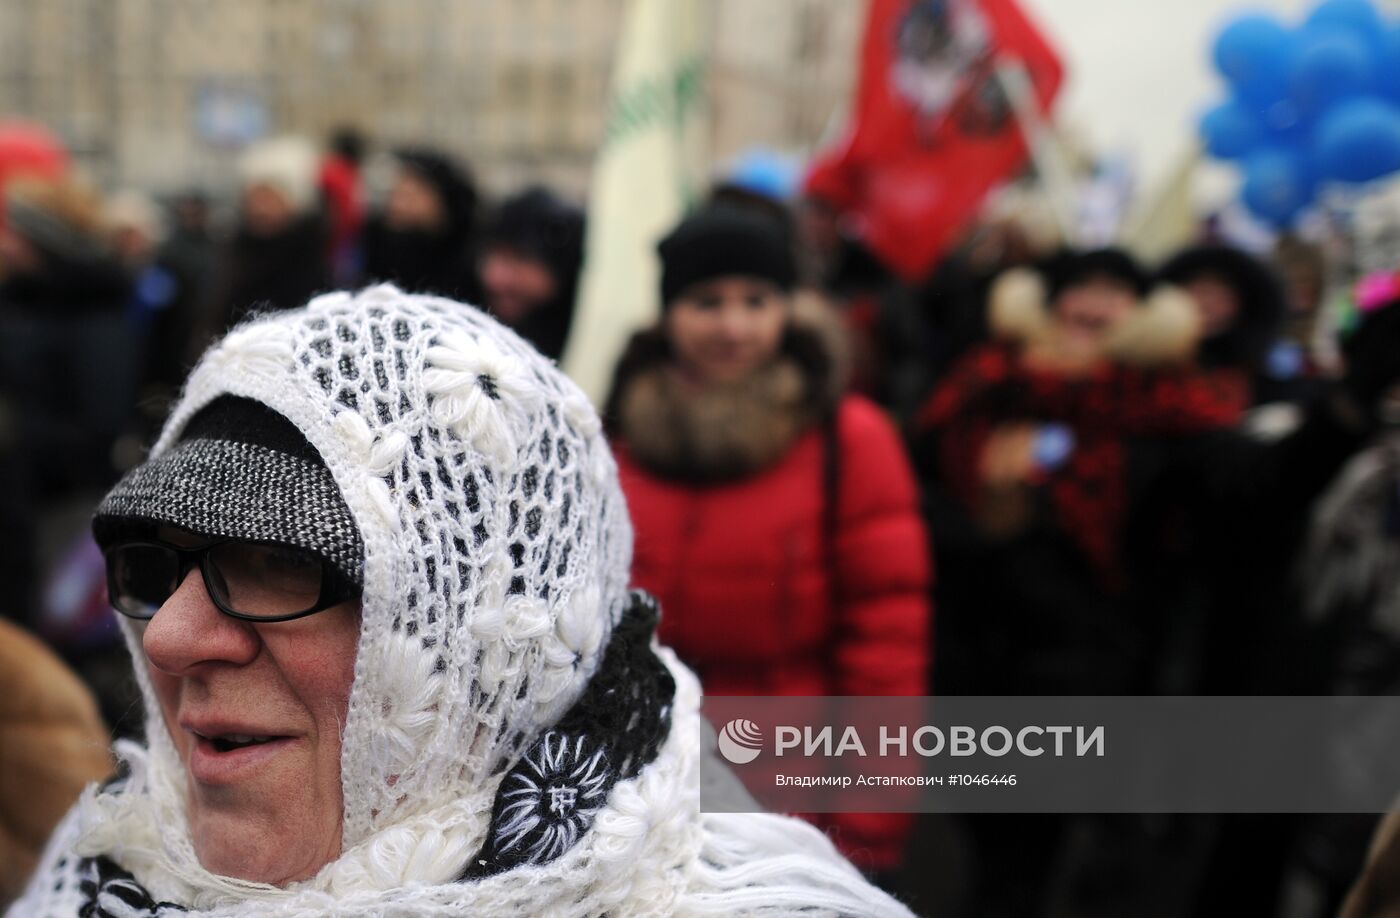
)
(497, 554)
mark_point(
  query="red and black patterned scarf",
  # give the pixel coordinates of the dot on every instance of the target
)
(1105, 409)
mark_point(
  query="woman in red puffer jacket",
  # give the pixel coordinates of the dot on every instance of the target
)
(777, 520)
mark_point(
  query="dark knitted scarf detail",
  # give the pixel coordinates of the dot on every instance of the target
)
(111, 892)
(548, 800)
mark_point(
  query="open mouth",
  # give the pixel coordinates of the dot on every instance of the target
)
(228, 758)
(228, 742)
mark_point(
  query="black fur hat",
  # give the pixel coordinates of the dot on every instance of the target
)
(1070, 267)
(1260, 294)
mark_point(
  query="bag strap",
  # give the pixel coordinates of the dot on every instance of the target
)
(831, 500)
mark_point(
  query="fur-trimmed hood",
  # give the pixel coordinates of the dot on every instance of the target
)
(1163, 331)
(1261, 297)
(707, 434)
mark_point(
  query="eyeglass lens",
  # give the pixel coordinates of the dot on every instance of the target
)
(143, 578)
(252, 579)
(265, 579)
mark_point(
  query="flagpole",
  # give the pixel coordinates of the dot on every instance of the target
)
(650, 165)
(1056, 181)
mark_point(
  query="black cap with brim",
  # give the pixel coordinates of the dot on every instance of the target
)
(239, 471)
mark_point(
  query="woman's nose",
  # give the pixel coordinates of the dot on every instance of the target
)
(734, 321)
(189, 630)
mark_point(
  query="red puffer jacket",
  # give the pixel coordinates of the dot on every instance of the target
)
(762, 592)
(742, 569)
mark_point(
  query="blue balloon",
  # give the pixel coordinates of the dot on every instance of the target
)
(1286, 126)
(766, 173)
(1359, 17)
(1230, 130)
(1255, 53)
(1277, 186)
(1332, 65)
(1388, 68)
(1359, 141)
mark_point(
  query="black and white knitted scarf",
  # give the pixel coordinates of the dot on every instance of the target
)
(548, 800)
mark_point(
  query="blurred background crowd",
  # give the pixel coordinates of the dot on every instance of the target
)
(923, 396)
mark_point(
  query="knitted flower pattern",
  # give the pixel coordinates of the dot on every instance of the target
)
(497, 545)
(254, 350)
(479, 392)
(552, 797)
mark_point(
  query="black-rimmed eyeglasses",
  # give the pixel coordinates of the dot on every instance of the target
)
(253, 581)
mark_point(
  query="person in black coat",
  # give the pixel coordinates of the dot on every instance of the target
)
(1237, 598)
(529, 267)
(70, 356)
(1207, 527)
(277, 258)
(1243, 303)
(69, 361)
(424, 238)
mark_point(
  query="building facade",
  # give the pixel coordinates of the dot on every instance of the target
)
(162, 94)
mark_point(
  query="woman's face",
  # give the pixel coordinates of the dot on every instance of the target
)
(515, 284)
(1089, 309)
(1216, 303)
(724, 329)
(414, 204)
(266, 211)
(267, 810)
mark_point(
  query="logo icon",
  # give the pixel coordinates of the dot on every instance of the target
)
(740, 741)
(562, 800)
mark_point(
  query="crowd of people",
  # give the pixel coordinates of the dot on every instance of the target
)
(108, 300)
(1105, 477)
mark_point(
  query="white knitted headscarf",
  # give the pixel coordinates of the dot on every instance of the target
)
(497, 551)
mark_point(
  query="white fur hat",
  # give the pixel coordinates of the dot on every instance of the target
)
(288, 165)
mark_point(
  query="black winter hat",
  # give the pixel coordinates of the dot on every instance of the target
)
(539, 224)
(1071, 267)
(239, 471)
(452, 181)
(719, 241)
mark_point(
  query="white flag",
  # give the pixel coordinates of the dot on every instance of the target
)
(651, 165)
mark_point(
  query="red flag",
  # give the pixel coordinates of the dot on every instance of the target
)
(932, 130)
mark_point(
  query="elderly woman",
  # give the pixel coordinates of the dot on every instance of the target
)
(276, 257)
(373, 578)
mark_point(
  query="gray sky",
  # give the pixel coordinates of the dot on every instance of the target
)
(1140, 71)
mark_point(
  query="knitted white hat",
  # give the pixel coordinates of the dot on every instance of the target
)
(497, 550)
(285, 164)
(130, 209)
(496, 540)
